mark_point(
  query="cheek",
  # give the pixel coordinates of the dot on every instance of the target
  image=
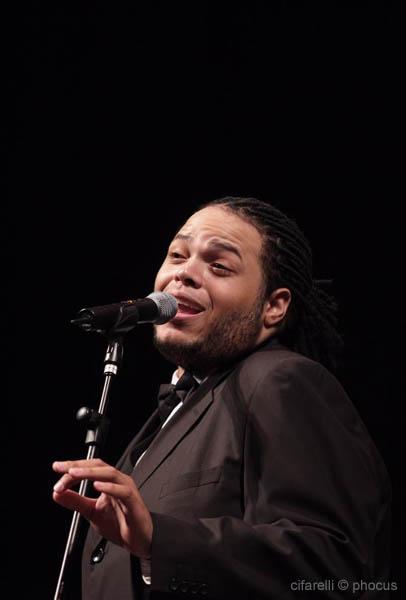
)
(162, 279)
(233, 296)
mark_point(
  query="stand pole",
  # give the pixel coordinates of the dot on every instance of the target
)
(95, 440)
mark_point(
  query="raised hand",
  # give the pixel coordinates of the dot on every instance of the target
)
(118, 514)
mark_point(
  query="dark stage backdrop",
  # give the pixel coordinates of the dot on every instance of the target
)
(128, 117)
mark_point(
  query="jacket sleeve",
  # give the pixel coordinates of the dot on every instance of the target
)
(313, 493)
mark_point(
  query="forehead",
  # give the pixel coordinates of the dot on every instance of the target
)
(214, 222)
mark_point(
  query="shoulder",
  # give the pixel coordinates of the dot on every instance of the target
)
(274, 365)
(284, 395)
(274, 381)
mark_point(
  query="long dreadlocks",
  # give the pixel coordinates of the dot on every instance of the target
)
(311, 324)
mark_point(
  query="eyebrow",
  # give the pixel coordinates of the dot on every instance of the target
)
(219, 244)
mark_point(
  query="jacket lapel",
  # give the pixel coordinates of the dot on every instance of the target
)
(125, 462)
(176, 428)
(181, 422)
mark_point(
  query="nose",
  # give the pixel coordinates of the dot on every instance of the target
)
(188, 277)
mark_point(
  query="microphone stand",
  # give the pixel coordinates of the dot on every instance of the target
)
(97, 424)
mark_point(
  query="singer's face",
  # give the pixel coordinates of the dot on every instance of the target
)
(213, 268)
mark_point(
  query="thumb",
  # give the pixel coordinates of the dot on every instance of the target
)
(72, 500)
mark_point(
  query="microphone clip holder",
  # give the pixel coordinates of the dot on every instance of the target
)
(97, 426)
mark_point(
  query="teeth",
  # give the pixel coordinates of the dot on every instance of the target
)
(186, 305)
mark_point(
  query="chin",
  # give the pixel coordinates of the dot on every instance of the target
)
(170, 333)
(178, 347)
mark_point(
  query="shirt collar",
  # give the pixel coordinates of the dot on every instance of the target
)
(175, 378)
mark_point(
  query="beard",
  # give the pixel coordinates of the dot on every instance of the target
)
(228, 339)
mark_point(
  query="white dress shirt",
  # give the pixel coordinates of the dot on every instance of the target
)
(146, 562)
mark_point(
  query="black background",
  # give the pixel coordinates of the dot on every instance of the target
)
(128, 117)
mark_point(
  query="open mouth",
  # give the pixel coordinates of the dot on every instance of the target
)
(187, 309)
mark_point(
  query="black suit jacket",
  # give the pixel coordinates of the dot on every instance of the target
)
(265, 478)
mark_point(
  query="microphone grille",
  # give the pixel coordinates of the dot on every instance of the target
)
(167, 306)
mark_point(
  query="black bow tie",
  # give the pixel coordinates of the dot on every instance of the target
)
(170, 395)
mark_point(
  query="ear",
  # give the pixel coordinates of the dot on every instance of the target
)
(276, 307)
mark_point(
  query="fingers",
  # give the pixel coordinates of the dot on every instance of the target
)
(64, 483)
(64, 466)
(121, 492)
(105, 473)
(69, 479)
(119, 513)
(121, 486)
(73, 501)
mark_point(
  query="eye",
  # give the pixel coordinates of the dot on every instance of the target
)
(218, 267)
(175, 255)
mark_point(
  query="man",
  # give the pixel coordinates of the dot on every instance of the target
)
(264, 478)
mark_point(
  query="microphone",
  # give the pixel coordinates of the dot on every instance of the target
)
(123, 316)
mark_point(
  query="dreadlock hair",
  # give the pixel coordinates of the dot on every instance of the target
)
(310, 326)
